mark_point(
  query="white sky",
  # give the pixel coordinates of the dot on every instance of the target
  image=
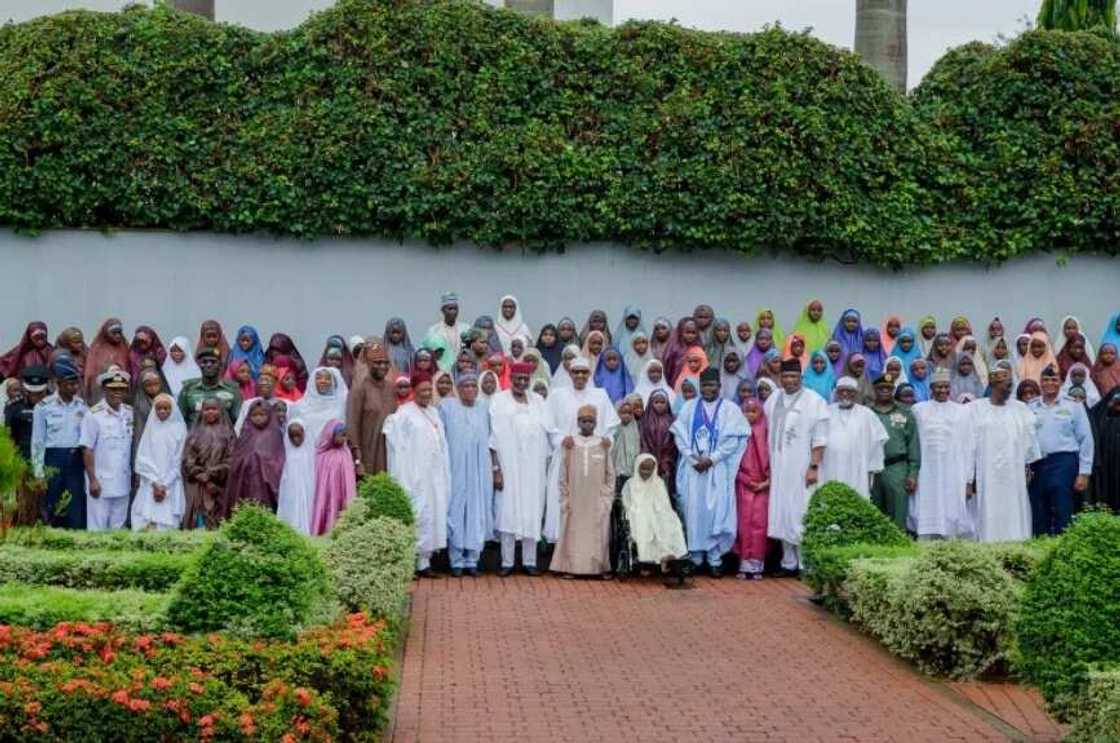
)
(935, 25)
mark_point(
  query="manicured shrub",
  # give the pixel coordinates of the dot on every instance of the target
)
(1070, 617)
(831, 566)
(950, 610)
(371, 565)
(1096, 717)
(256, 576)
(44, 606)
(148, 571)
(96, 683)
(386, 499)
(45, 538)
(1020, 559)
(838, 515)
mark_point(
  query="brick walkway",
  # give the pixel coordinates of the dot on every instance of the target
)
(553, 660)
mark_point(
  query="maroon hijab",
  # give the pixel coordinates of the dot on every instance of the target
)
(136, 354)
(281, 344)
(103, 353)
(257, 462)
(677, 349)
(656, 438)
(25, 353)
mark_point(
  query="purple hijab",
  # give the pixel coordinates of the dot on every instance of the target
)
(757, 355)
(876, 359)
(617, 383)
(850, 342)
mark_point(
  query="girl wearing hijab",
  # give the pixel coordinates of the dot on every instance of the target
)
(765, 318)
(71, 341)
(241, 374)
(941, 354)
(819, 376)
(720, 342)
(561, 378)
(497, 364)
(160, 498)
(612, 377)
(764, 388)
(325, 401)
(965, 382)
(337, 354)
(771, 367)
(566, 333)
(651, 379)
(897, 370)
(180, 365)
(1112, 331)
(752, 489)
(1073, 352)
(247, 349)
(1105, 421)
(485, 323)
(834, 352)
(510, 324)
(211, 335)
(630, 324)
(731, 373)
(145, 343)
(443, 387)
(597, 320)
(257, 461)
(968, 344)
(873, 352)
(1072, 328)
(995, 332)
(906, 347)
(296, 501)
(637, 354)
(959, 328)
(812, 326)
(334, 477)
(287, 382)
(763, 344)
(33, 349)
(593, 346)
(399, 346)
(919, 379)
(281, 344)
(796, 348)
(849, 332)
(746, 391)
(927, 331)
(1079, 379)
(888, 335)
(109, 348)
(654, 527)
(548, 343)
(206, 459)
(654, 429)
(1039, 356)
(540, 369)
(661, 337)
(1106, 370)
(695, 362)
(685, 336)
(488, 385)
(705, 317)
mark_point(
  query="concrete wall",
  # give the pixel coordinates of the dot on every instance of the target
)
(313, 289)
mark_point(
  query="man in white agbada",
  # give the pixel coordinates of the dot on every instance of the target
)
(1006, 442)
(798, 435)
(939, 507)
(854, 450)
(419, 460)
(563, 406)
(160, 498)
(711, 434)
(106, 441)
(296, 499)
(520, 429)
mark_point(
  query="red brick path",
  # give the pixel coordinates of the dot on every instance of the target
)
(552, 660)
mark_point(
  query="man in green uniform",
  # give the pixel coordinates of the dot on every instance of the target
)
(893, 487)
(210, 385)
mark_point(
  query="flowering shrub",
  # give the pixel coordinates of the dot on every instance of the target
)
(371, 562)
(149, 571)
(93, 682)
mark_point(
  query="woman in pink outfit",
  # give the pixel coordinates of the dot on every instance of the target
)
(752, 487)
(334, 477)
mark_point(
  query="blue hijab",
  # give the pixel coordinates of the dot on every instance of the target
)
(617, 383)
(876, 359)
(851, 342)
(1111, 334)
(822, 382)
(920, 385)
(907, 357)
(254, 356)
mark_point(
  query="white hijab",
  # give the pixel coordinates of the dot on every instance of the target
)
(654, 526)
(509, 329)
(1080, 329)
(903, 377)
(296, 498)
(316, 409)
(645, 388)
(176, 374)
(497, 386)
(159, 455)
(561, 378)
(1092, 394)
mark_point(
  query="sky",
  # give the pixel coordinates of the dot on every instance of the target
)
(935, 25)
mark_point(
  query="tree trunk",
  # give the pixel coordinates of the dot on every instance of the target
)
(532, 7)
(881, 38)
(204, 8)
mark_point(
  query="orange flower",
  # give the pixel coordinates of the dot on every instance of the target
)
(32, 708)
(139, 705)
(206, 721)
(303, 696)
(170, 638)
(161, 683)
(288, 738)
(195, 688)
(380, 672)
(120, 696)
(106, 654)
(247, 725)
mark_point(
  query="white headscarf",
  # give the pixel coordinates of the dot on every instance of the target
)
(561, 377)
(1092, 394)
(497, 386)
(645, 388)
(654, 526)
(508, 329)
(296, 497)
(177, 373)
(159, 459)
(316, 409)
(1080, 329)
(903, 377)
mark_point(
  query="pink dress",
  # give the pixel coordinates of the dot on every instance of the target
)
(750, 541)
(334, 479)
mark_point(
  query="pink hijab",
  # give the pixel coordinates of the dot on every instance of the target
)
(334, 479)
(1029, 366)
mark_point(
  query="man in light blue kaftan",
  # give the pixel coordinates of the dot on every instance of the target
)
(470, 510)
(711, 434)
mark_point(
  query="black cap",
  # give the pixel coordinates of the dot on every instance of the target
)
(65, 368)
(35, 378)
(884, 379)
(709, 375)
(791, 365)
(207, 352)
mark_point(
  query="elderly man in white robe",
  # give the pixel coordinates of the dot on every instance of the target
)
(798, 436)
(420, 461)
(854, 451)
(563, 405)
(520, 430)
(711, 434)
(939, 507)
(1006, 442)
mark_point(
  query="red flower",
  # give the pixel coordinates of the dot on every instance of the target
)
(247, 725)
(106, 654)
(198, 673)
(160, 683)
(206, 721)
(380, 672)
(143, 643)
(302, 726)
(32, 708)
(139, 705)
(171, 639)
(303, 696)
(288, 738)
(120, 696)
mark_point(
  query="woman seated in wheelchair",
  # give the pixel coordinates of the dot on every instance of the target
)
(655, 529)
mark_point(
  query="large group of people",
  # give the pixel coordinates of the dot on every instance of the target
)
(642, 443)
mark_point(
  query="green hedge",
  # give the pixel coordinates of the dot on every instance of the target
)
(371, 562)
(44, 538)
(149, 571)
(385, 498)
(1096, 718)
(44, 606)
(446, 120)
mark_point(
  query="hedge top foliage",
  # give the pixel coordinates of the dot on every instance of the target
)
(258, 577)
(447, 120)
(385, 499)
(838, 515)
(1070, 618)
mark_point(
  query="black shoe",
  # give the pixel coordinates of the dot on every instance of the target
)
(456, 572)
(506, 572)
(472, 572)
(532, 572)
(714, 572)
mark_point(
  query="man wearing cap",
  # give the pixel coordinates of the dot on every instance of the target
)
(210, 384)
(1065, 440)
(711, 435)
(563, 405)
(898, 479)
(798, 435)
(450, 329)
(854, 451)
(945, 439)
(19, 418)
(520, 427)
(55, 444)
(1006, 442)
(106, 443)
(370, 401)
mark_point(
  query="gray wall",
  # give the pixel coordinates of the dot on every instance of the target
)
(313, 289)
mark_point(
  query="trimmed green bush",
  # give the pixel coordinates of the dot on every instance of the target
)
(40, 537)
(1096, 718)
(149, 571)
(45, 606)
(838, 516)
(832, 564)
(257, 577)
(1070, 618)
(386, 499)
(371, 564)
(950, 610)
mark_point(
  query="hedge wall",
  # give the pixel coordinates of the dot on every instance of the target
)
(447, 120)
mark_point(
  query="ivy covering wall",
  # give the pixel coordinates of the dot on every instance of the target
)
(447, 120)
